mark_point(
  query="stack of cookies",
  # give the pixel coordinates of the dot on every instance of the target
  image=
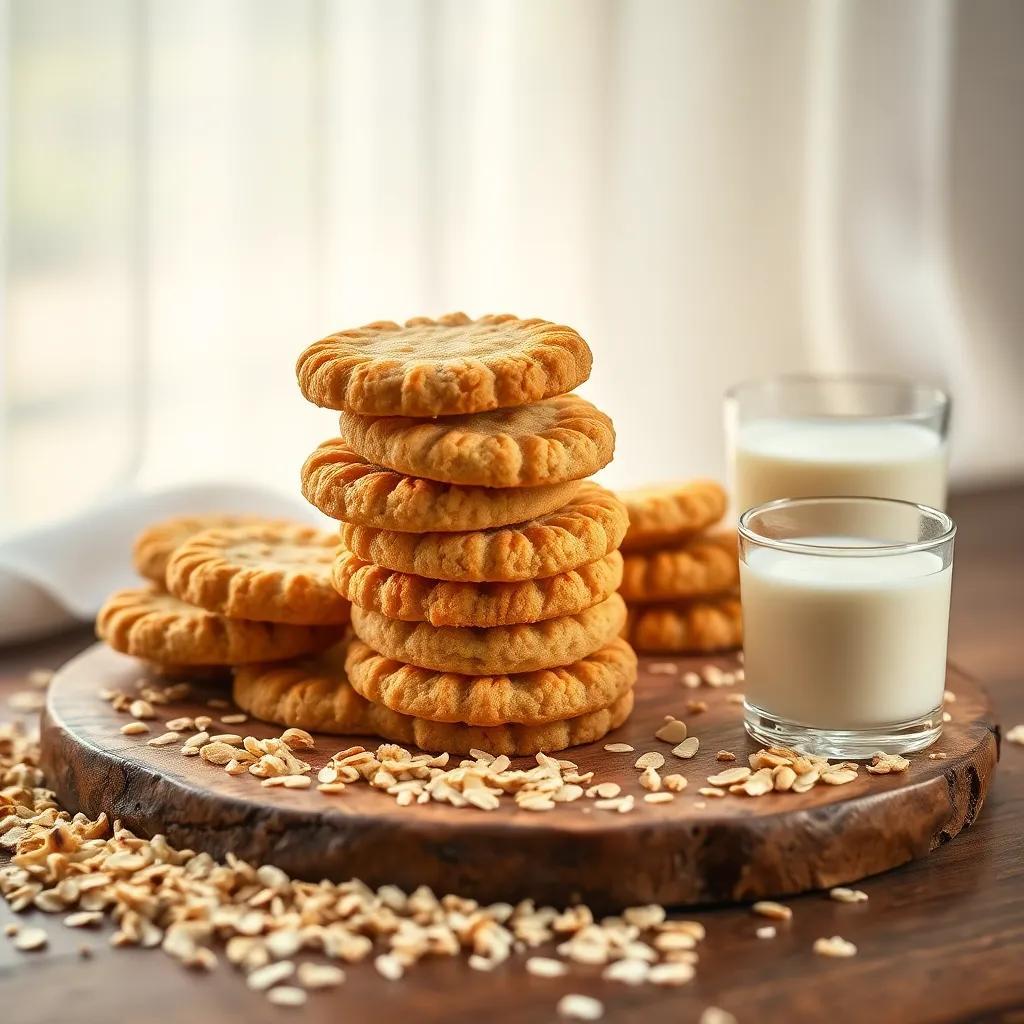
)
(681, 573)
(481, 565)
(224, 591)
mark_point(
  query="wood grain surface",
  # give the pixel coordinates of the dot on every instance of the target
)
(693, 850)
(940, 940)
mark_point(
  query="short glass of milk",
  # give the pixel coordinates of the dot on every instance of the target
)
(799, 436)
(845, 618)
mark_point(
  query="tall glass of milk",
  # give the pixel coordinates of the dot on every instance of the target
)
(800, 436)
(845, 617)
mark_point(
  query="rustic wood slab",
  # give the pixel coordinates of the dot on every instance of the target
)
(730, 849)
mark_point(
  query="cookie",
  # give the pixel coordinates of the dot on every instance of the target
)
(497, 650)
(548, 442)
(687, 627)
(443, 367)
(401, 595)
(159, 627)
(705, 565)
(586, 529)
(155, 545)
(525, 698)
(344, 486)
(272, 572)
(309, 693)
(667, 514)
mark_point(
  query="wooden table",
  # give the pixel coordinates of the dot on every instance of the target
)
(940, 940)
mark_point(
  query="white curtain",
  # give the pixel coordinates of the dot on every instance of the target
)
(707, 190)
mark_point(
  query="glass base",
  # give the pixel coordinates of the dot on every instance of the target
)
(854, 744)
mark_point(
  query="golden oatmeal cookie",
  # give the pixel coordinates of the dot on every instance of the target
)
(525, 647)
(708, 564)
(586, 529)
(443, 367)
(546, 443)
(155, 545)
(274, 572)
(401, 595)
(686, 627)
(159, 627)
(309, 693)
(345, 486)
(525, 698)
(669, 513)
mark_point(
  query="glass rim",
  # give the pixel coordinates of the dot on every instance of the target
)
(939, 397)
(845, 551)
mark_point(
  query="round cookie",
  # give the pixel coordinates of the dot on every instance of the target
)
(548, 442)
(586, 529)
(155, 545)
(409, 598)
(499, 650)
(307, 693)
(158, 627)
(345, 486)
(704, 565)
(443, 367)
(667, 514)
(526, 698)
(689, 627)
(271, 572)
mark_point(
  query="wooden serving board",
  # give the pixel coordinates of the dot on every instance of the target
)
(730, 849)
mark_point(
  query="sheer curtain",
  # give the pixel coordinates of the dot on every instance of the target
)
(706, 190)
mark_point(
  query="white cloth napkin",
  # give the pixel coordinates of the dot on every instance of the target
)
(60, 574)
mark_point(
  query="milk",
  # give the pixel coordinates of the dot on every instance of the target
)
(844, 643)
(807, 457)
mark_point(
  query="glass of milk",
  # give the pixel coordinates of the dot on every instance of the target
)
(799, 436)
(845, 617)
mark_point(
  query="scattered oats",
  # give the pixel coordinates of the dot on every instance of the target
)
(577, 1007)
(297, 739)
(389, 966)
(760, 783)
(628, 971)
(687, 748)
(196, 741)
(320, 975)
(843, 895)
(287, 995)
(1016, 735)
(806, 782)
(288, 781)
(180, 724)
(650, 780)
(773, 910)
(885, 764)
(605, 790)
(696, 707)
(622, 804)
(658, 798)
(663, 668)
(203, 722)
(134, 729)
(218, 702)
(691, 680)
(232, 739)
(234, 719)
(783, 778)
(652, 759)
(141, 709)
(29, 939)
(331, 788)
(618, 748)
(266, 977)
(836, 947)
(164, 740)
(545, 967)
(10, 929)
(26, 700)
(735, 698)
(712, 675)
(838, 777)
(937, 755)
(714, 1015)
(83, 918)
(711, 791)
(725, 755)
(949, 696)
(671, 974)
(729, 776)
(766, 931)
(673, 731)
(675, 782)
(946, 717)
(217, 753)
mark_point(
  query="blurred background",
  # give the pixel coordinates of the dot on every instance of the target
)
(193, 190)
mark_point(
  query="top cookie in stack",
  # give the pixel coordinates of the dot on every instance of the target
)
(481, 565)
(681, 571)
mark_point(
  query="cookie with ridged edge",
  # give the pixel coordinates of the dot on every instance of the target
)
(309, 693)
(666, 514)
(524, 698)
(401, 595)
(546, 443)
(443, 367)
(497, 650)
(708, 564)
(155, 545)
(156, 626)
(584, 530)
(345, 486)
(699, 626)
(272, 572)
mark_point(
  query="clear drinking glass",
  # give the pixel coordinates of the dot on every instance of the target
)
(845, 618)
(800, 436)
